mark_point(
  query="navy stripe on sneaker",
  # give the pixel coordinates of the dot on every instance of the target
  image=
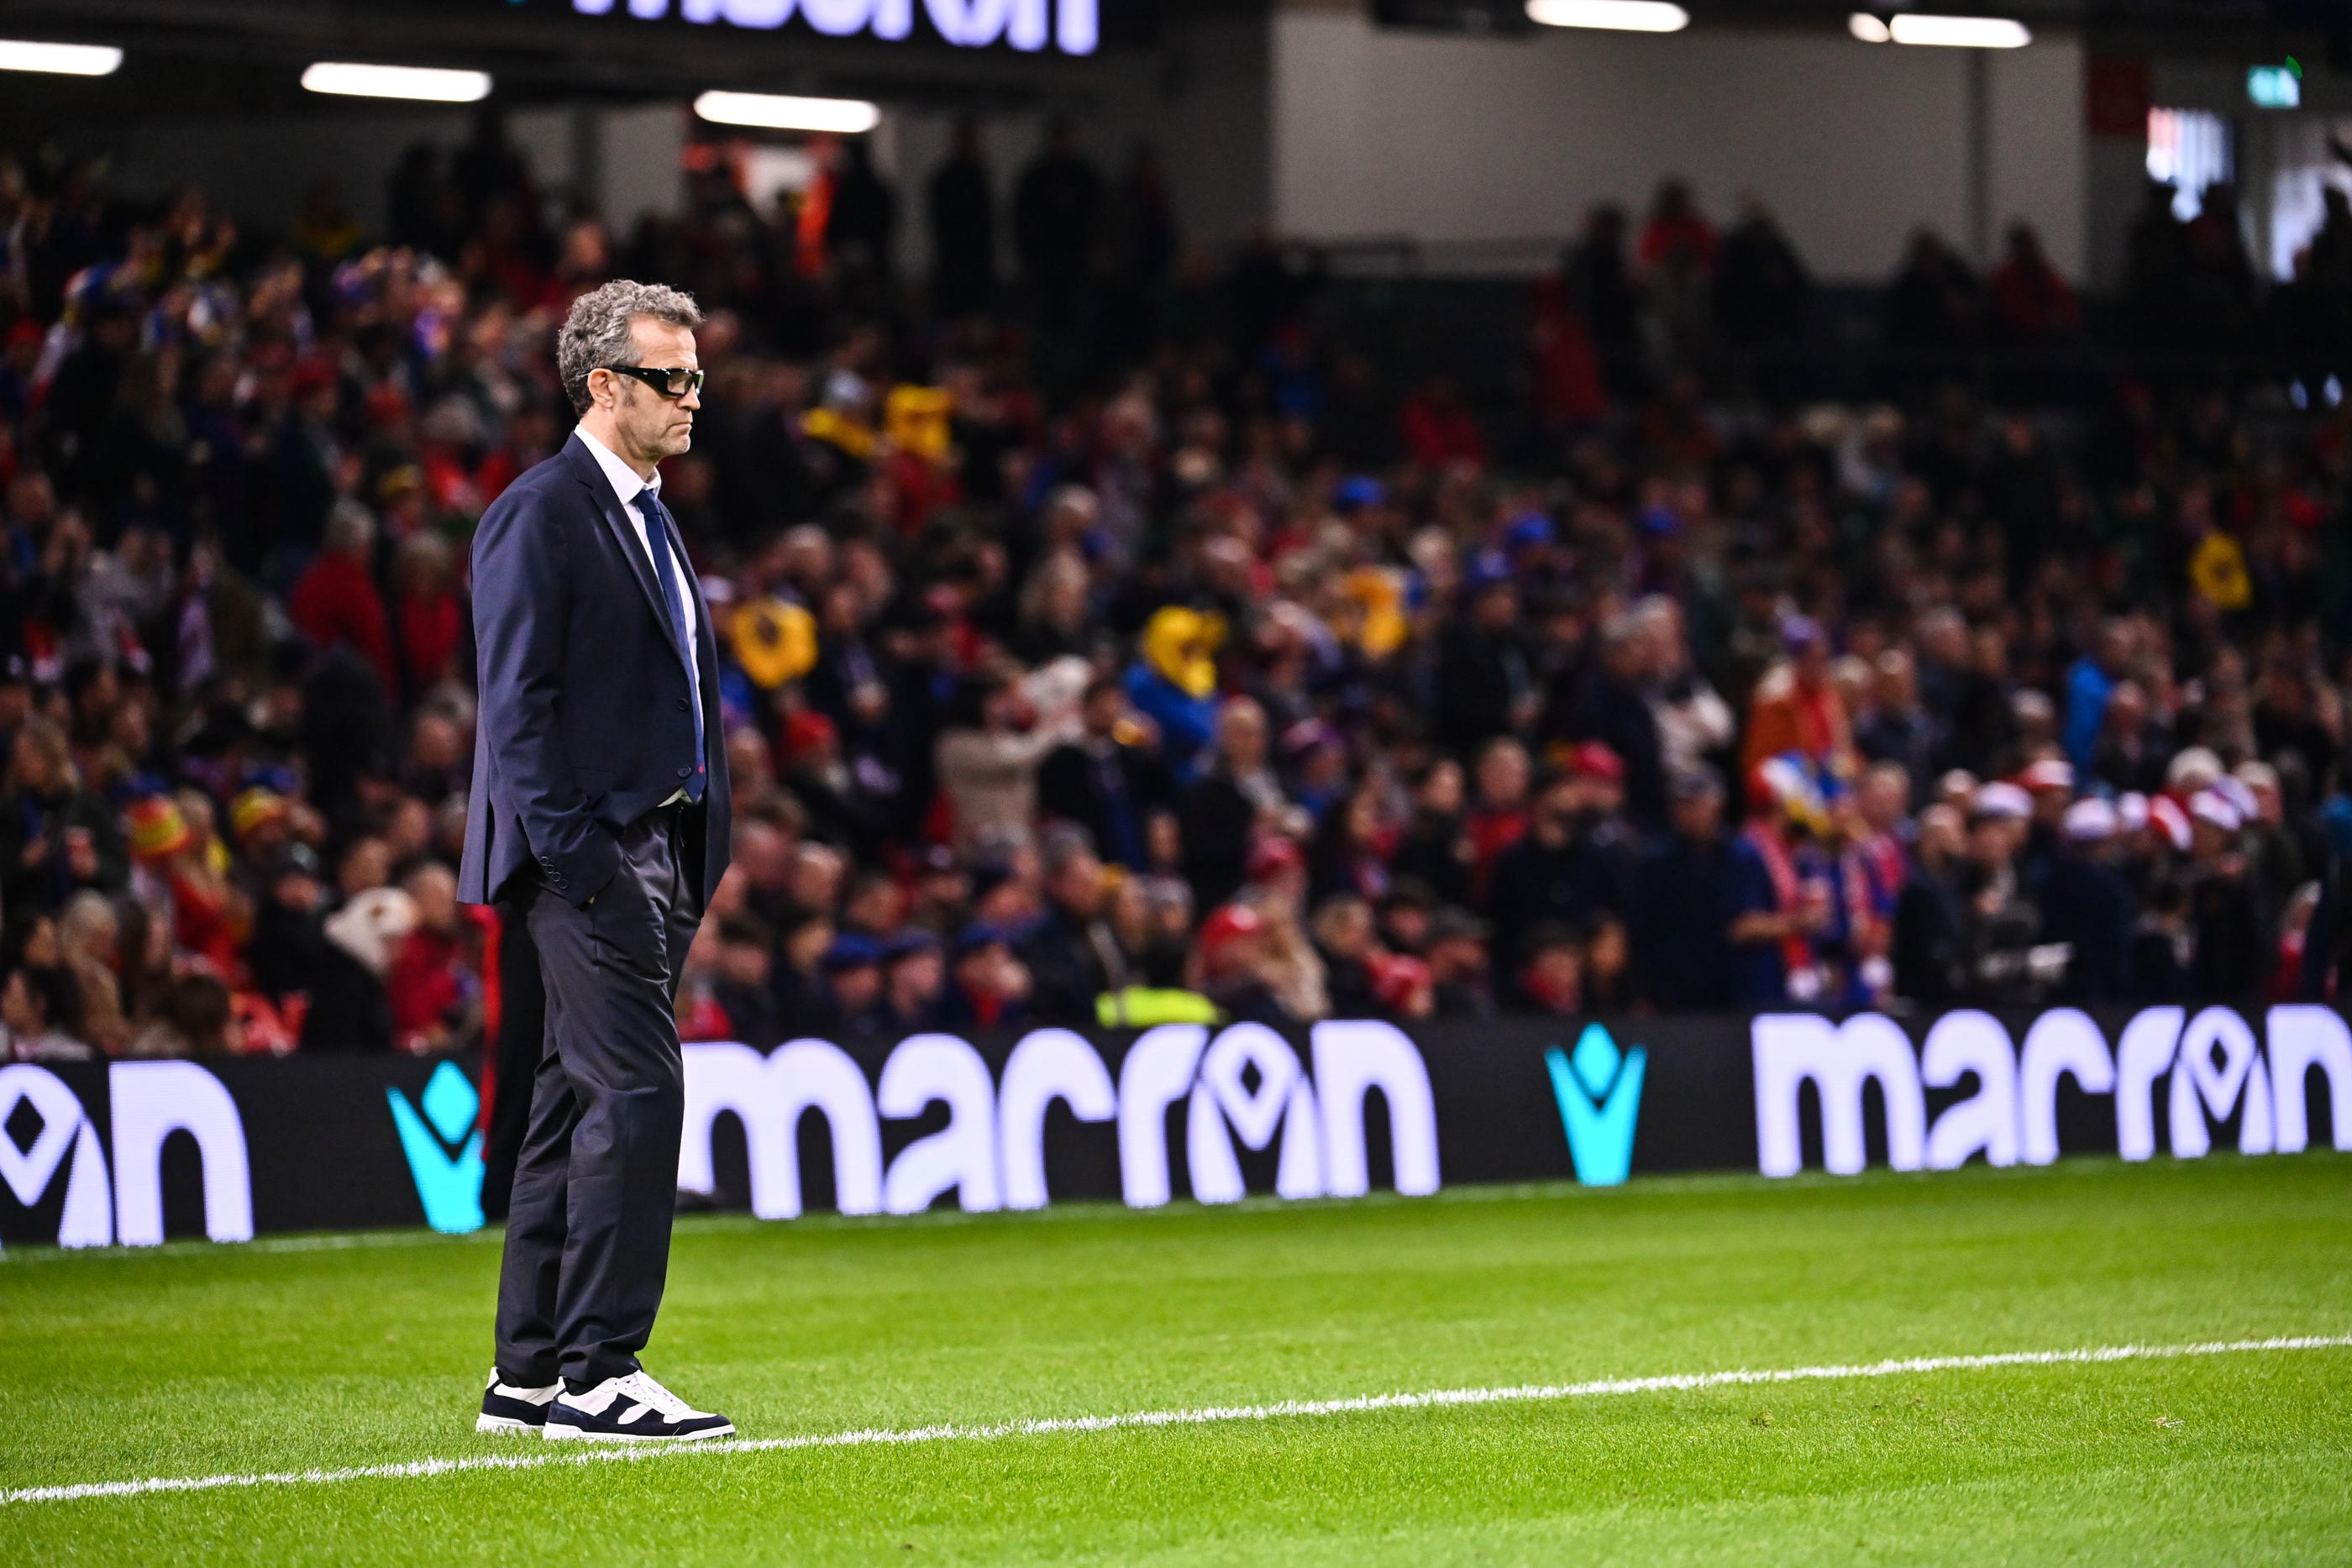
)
(514, 1407)
(631, 1409)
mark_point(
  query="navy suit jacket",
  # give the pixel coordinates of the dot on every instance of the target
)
(585, 722)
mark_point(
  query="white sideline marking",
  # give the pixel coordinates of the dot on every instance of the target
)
(1200, 1416)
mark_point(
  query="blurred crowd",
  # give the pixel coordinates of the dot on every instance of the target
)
(1108, 639)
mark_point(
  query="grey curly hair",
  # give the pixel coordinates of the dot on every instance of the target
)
(597, 333)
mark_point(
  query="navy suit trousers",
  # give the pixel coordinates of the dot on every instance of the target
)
(588, 1228)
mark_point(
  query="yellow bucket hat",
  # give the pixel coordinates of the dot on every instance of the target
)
(773, 642)
(1182, 644)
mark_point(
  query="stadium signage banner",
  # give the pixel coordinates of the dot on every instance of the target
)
(133, 1152)
(1075, 28)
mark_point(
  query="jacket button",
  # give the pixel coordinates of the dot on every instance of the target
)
(686, 772)
(681, 705)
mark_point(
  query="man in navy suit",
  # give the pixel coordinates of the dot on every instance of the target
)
(600, 814)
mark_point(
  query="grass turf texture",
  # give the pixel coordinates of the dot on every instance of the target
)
(200, 1360)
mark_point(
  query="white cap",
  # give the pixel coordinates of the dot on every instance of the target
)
(2131, 811)
(369, 925)
(2089, 821)
(2194, 767)
(2241, 798)
(2207, 805)
(2004, 800)
(2049, 773)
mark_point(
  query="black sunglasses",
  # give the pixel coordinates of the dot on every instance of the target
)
(669, 383)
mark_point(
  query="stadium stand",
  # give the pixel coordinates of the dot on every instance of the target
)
(1143, 634)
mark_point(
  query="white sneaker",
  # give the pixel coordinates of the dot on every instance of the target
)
(507, 1408)
(631, 1409)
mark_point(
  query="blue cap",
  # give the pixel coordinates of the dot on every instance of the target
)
(912, 940)
(979, 934)
(283, 780)
(850, 951)
(1487, 569)
(1658, 520)
(1357, 492)
(1528, 530)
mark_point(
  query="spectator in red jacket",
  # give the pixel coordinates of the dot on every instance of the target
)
(429, 616)
(335, 603)
(1437, 428)
(431, 982)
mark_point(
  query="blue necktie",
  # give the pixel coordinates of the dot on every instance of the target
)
(658, 538)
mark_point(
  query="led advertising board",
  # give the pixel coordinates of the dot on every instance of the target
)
(135, 1152)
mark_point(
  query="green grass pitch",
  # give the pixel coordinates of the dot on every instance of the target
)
(331, 1352)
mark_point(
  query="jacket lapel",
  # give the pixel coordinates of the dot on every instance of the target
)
(625, 534)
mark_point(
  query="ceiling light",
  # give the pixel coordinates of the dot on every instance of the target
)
(397, 81)
(777, 111)
(1960, 31)
(1620, 16)
(1867, 27)
(60, 59)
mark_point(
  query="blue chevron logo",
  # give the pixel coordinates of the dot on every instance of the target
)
(1600, 1094)
(449, 1185)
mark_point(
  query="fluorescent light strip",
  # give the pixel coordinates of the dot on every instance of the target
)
(1617, 15)
(777, 111)
(1947, 32)
(420, 82)
(1960, 32)
(60, 59)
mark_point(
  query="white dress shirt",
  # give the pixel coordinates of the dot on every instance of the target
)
(628, 486)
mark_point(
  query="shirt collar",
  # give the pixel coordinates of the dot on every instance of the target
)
(625, 481)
